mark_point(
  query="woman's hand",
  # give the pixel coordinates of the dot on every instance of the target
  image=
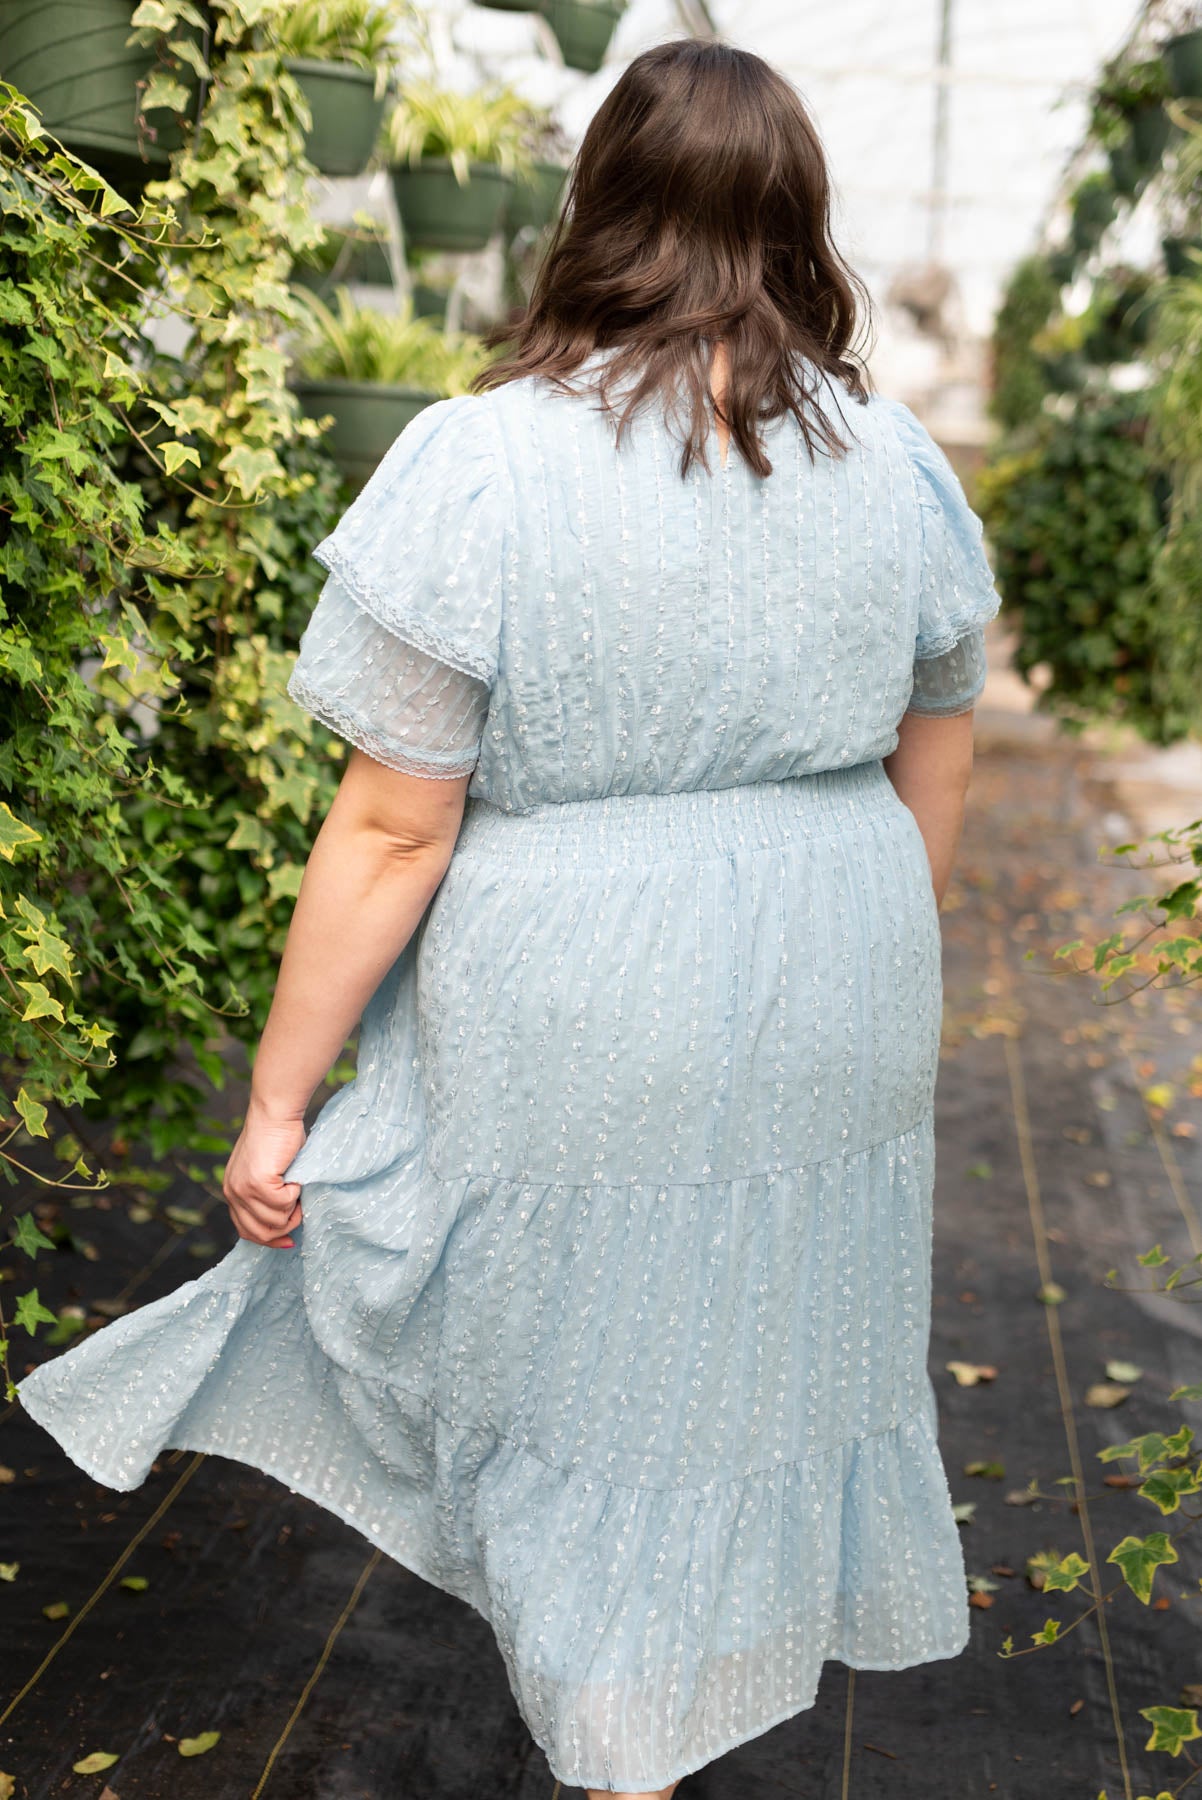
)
(263, 1206)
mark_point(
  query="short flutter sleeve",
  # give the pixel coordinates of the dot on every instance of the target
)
(401, 650)
(958, 595)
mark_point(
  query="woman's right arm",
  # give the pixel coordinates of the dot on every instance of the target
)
(930, 770)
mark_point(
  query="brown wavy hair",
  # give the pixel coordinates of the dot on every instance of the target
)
(697, 209)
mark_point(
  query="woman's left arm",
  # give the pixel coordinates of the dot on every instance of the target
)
(380, 855)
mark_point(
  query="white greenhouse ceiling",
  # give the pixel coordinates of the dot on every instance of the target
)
(1016, 78)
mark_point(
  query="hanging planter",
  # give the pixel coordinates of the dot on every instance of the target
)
(366, 417)
(1150, 129)
(430, 302)
(438, 213)
(583, 29)
(1094, 207)
(1125, 171)
(344, 256)
(372, 372)
(1183, 59)
(71, 60)
(535, 201)
(347, 114)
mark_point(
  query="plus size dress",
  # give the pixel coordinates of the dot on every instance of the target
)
(610, 1308)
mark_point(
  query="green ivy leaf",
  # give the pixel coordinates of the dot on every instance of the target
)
(1139, 1558)
(32, 1113)
(27, 1237)
(15, 834)
(1067, 1574)
(31, 1313)
(175, 455)
(1172, 1727)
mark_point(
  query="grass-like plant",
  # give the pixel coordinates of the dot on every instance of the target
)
(349, 342)
(351, 31)
(490, 125)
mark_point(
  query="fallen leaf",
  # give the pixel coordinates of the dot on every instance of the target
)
(980, 1600)
(1123, 1371)
(993, 1471)
(1106, 1393)
(8, 1571)
(58, 1609)
(137, 1584)
(1002, 1569)
(962, 1513)
(196, 1746)
(969, 1374)
(1021, 1497)
(92, 1765)
(8, 1786)
(1099, 1178)
(6, 1475)
(1074, 1709)
(1051, 1293)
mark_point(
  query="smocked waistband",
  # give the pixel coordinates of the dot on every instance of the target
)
(691, 822)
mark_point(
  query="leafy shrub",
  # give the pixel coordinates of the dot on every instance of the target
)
(1076, 514)
(1020, 379)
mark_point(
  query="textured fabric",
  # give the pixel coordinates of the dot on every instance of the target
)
(951, 682)
(610, 1309)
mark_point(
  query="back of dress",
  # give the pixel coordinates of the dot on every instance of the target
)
(636, 632)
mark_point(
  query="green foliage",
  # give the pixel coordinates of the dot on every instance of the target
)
(1075, 516)
(1020, 379)
(491, 125)
(92, 641)
(361, 32)
(356, 343)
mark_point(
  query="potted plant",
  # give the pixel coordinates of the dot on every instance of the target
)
(1094, 206)
(583, 29)
(1129, 120)
(454, 159)
(357, 255)
(538, 188)
(372, 372)
(74, 62)
(342, 56)
(1183, 60)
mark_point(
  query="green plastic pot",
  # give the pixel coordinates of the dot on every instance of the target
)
(438, 214)
(536, 202)
(367, 262)
(583, 29)
(430, 302)
(1183, 60)
(368, 417)
(70, 58)
(1125, 171)
(1150, 129)
(346, 113)
(1176, 259)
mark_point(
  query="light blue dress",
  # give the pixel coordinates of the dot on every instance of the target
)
(610, 1309)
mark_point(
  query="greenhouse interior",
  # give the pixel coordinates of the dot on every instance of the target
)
(247, 246)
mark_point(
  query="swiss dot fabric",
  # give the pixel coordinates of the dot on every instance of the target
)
(610, 1310)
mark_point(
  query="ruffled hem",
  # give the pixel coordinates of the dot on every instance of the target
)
(348, 724)
(386, 611)
(698, 1617)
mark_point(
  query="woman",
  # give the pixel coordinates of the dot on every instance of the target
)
(600, 1298)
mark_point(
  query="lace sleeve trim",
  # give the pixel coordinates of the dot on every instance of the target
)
(403, 621)
(430, 764)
